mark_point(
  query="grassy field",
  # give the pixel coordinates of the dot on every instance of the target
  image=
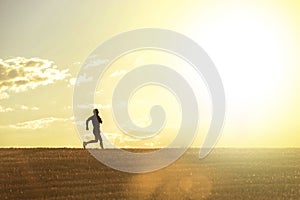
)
(224, 174)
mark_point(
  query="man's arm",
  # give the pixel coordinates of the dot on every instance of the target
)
(87, 122)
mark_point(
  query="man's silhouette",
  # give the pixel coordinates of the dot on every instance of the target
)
(96, 121)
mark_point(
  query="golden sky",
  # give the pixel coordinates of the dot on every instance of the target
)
(254, 45)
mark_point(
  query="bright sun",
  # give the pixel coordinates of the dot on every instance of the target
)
(250, 47)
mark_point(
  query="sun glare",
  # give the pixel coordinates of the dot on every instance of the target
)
(250, 47)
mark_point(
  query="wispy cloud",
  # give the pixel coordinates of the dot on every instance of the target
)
(72, 81)
(23, 107)
(20, 74)
(81, 79)
(91, 106)
(4, 95)
(38, 123)
(77, 63)
(95, 62)
(118, 73)
(17, 107)
(5, 109)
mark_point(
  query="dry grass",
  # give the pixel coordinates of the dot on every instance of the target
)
(224, 174)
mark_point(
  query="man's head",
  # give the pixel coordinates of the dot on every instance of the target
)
(95, 111)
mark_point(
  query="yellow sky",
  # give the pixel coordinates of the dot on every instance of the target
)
(254, 45)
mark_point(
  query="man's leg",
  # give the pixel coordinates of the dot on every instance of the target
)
(98, 136)
(91, 141)
(101, 143)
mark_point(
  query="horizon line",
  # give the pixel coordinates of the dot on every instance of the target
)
(149, 148)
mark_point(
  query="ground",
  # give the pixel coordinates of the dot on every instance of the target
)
(224, 174)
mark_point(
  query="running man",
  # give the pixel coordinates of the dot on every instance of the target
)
(96, 121)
